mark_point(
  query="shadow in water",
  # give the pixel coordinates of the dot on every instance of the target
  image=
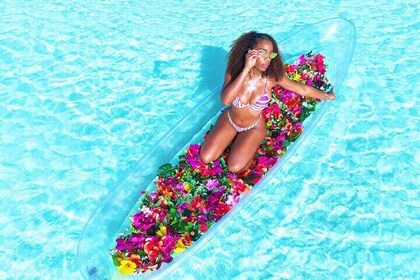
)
(206, 97)
(213, 67)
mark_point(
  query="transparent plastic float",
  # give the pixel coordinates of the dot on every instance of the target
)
(335, 38)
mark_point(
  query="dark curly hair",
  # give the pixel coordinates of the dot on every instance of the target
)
(236, 56)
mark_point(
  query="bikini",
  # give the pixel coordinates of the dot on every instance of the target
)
(257, 106)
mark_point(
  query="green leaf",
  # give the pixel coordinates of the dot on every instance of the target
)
(165, 170)
(115, 261)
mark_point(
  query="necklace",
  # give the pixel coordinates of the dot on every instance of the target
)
(252, 80)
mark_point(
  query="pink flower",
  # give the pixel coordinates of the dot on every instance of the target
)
(301, 60)
(203, 227)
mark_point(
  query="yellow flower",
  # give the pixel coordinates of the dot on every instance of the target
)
(297, 77)
(127, 267)
(161, 232)
(179, 247)
(187, 187)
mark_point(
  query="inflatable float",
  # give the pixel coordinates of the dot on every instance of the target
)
(151, 224)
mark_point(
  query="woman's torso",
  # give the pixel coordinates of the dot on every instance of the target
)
(246, 114)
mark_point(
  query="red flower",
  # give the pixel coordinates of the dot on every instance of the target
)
(152, 248)
(239, 186)
(221, 210)
(203, 227)
(196, 203)
(164, 188)
(290, 68)
(136, 259)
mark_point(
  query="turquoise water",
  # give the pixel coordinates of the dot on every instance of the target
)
(87, 89)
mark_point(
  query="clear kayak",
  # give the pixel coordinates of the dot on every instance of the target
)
(335, 38)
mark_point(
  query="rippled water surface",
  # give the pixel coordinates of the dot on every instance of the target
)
(88, 88)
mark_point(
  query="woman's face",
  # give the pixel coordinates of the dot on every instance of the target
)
(265, 47)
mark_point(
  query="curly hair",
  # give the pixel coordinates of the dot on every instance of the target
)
(239, 48)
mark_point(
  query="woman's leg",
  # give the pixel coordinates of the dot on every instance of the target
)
(244, 148)
(217, 140)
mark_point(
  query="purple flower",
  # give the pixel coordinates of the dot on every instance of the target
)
(214, 198)
(264, 161)
(280, 138)
(192, 156)
(141, 222)
(123, 245)
(171, 181)
(194, 163)
(135, 242)
(180, 187)
(202, 218)
(217, 169)
(182, 207)
(232, 198)
(212, 183)
(153, 196)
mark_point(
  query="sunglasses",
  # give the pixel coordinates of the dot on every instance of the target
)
(265, 54)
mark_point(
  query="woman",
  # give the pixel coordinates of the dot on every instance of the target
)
(254, 67)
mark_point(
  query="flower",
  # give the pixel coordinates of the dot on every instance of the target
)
(217, 168)
(152, 248)
(142, 222)
(203, 227)
(302, 59)
(179, 247)
(221, 210)
(127, 267)
(182, 243)
(239, 186)
(212, 183)
(135, 259)
(196, 203)
(161, 232)
(192, 196)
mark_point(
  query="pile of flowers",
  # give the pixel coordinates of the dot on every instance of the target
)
(192, 196)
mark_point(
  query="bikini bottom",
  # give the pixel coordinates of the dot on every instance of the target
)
(241, 129)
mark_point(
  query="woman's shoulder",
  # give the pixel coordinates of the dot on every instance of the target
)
(271, 82)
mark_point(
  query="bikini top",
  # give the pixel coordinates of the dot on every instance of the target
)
(258, 105)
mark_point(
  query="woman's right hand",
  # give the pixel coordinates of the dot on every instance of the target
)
(331, 94)
(250, 59)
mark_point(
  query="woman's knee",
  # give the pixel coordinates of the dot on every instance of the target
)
(235, 167)
(206, 156)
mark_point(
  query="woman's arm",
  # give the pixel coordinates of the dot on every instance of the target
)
(304, 90)
(232, 89)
